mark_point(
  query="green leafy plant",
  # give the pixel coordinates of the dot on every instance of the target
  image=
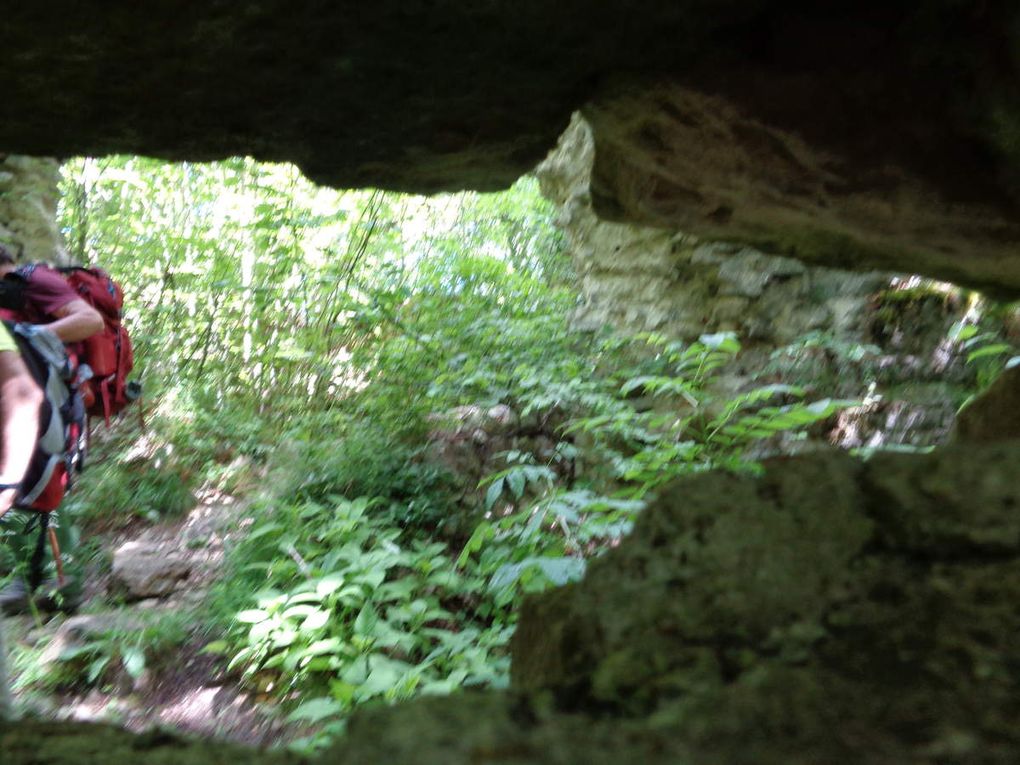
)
(302, 344)
(352, 613)
(681, 426)
(986, 352)
(117, 492)
(127, 648)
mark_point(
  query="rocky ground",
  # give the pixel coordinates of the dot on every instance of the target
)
(157, 573)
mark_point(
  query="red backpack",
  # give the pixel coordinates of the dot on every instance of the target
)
(107, 353)
(69, 392)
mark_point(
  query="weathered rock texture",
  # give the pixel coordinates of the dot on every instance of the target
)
(995, 415)
(60, 743)
(28, 207)
(145, 570)
(829, 612)
(640, 278)
(681, 158)
(860, 134)
(851, 332)
(6, 702)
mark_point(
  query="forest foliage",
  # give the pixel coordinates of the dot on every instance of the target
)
(299, 346)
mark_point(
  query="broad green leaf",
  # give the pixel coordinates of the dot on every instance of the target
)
(134, 661)
(95, 669)
(329, 584)
(493, 492)
(320, 647)
(515, 479)
(252, 616)
(995, 349)
(315, 620)
(299, 611)
(364, 623)
(383, 676)
(316, 710)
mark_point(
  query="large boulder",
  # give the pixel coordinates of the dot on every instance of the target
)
(36, 743)
(831, 611)
(841, 334)
(28, 209)
(149, 570)
(995, 415)
(644, 278)
(810, 178)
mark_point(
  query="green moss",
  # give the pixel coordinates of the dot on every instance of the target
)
(893, 306)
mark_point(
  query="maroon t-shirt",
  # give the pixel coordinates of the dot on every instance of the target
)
(46, 292)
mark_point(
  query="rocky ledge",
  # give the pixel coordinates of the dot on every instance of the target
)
(865, 134)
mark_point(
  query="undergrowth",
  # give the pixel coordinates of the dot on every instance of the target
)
(307, 348)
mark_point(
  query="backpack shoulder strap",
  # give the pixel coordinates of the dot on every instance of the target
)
(26, 271)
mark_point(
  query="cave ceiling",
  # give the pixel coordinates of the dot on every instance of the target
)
(859, 134)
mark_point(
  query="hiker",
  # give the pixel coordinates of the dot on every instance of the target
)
(48, 302)
(20, 400)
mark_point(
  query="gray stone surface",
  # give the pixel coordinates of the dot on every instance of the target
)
(678, 156)
(28, 205)
(149, 570)
(866, 335)
(831, 611)
(994, 416)
(642, 278)
(79, 630)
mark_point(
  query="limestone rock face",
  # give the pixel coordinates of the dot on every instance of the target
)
(400, 94)
(842, 334)
(28, 209)
(641, 278)
(58, 743)
(870, 135)
(678, 157)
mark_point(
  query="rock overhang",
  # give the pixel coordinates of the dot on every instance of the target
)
(856, 134)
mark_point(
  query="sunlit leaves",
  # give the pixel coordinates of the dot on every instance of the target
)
(645, 421)
(243, 278)
(363, 616)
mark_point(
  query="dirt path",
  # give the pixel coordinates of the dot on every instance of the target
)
(160, 576)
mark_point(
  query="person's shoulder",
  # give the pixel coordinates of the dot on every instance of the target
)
(41, 273)
(47, 289)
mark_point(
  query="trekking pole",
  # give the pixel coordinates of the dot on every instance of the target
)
(55, 548)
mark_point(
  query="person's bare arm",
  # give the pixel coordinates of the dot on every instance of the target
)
(20, 399)
(75, 321)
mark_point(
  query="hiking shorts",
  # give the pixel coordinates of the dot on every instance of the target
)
(7, 339)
